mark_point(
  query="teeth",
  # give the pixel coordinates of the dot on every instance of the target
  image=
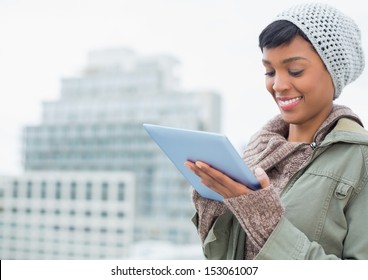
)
(287, 102)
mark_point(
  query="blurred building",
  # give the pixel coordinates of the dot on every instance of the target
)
(68, 215)
(96, 126)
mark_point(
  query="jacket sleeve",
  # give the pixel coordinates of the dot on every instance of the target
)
(288, 242)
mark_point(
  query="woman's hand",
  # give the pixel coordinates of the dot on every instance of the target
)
(222, 184)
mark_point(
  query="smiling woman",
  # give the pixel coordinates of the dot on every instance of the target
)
(311, 160)
(301, 86)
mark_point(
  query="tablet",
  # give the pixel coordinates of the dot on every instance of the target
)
(215, 149)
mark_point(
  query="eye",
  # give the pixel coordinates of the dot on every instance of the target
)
(296, 73)
(270, 73)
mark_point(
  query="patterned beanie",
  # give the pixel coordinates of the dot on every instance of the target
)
(335, 37)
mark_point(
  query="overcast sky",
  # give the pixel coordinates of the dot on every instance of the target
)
(42, 41)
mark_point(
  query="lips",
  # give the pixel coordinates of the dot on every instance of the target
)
(288, 103)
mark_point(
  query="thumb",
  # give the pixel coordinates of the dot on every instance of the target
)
(262, 177)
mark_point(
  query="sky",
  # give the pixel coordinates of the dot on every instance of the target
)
(43, 41)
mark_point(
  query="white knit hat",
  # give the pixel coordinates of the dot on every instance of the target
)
(335, 36)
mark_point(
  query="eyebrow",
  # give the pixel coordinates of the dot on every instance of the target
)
(286, 61)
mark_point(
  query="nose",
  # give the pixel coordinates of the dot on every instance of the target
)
(281, 83)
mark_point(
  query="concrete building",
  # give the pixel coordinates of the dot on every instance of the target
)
(96, 126)
(67, 215)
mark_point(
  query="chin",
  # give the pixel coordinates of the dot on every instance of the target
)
(290, 119)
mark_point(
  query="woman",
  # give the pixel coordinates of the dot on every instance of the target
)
(311, 160)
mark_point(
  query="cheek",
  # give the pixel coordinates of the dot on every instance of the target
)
(329, 88)
(320, 84)
(269, 85)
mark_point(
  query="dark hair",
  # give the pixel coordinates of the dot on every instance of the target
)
(278, 33)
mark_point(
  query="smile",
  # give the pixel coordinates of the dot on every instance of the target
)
(287, 104)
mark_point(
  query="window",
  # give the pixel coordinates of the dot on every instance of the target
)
(58, 190)
(73, 191)
(29, 189)
(43, 189)
(121, 188)
(88, 191)
(87, 229)
(105, 190)
(15, 189)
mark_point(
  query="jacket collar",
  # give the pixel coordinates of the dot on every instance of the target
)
(347, 130)
(338, 112)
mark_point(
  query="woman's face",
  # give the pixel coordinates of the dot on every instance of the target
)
(299, 82)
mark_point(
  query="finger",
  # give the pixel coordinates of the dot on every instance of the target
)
(216, 180)
(213, 174)
(189, 164)
(220, 182)
(262, 177)
(209, 176)
(196, 170)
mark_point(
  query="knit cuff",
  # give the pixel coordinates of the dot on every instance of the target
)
(258, 213)
(208, 210)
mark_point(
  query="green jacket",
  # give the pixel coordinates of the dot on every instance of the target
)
(326, 206)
